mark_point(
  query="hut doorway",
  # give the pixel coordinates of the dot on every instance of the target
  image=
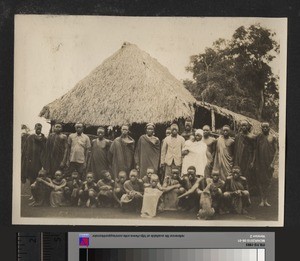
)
(204, 116)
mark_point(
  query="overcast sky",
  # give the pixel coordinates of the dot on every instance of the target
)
(52, 53)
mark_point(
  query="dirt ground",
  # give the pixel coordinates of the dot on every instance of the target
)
(255, 212)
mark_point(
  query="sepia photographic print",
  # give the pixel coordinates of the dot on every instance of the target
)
(149, 121)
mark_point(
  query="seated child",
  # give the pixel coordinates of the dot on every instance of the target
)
(106, 186)
(194, 186)
(146, 179)
(215, 188)
(151, 197)
(119, 190)
(134, 192)
(72, 188)
(236, 195)
(40, 191)
(172, 187)
(57, 185)
(88, 191)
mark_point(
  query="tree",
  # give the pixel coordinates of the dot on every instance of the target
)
(236, 74)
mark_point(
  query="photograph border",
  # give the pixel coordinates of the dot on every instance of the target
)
(16, 207)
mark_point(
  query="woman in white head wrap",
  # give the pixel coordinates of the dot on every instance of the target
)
(199, 131)
(195, 154)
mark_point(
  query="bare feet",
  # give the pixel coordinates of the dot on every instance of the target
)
(244, 211)
(31, 203)
(267, 204)
(261, 204)
(224, 212)
(35, 204)
(145, 215)
(88, 203)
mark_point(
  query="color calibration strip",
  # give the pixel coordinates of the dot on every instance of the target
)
(138, 254)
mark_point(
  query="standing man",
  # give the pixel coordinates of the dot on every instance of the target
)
(147, 152)
(188, 130)
(78, 150)
(210, 152)
(168, 133)
(34, 153)
(99, 154)
(224, 154)
(244, 144)
(171, 151)
(121, 153)
(265, 154)
(24, 137)
(56, 151)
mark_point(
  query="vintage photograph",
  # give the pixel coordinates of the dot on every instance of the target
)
(139, 121)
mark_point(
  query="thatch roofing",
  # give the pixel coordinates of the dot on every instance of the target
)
(235, 117)
(128, 87)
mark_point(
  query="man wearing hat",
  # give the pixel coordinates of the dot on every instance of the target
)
(171, 151)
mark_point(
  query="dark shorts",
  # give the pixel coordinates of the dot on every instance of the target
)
(75, 166)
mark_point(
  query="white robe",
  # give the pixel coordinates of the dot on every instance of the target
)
(150, 202)
(196, 156)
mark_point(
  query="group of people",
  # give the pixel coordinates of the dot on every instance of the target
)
(188, 171)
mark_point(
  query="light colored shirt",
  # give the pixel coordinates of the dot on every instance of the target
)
(171, 150)
(79, 144)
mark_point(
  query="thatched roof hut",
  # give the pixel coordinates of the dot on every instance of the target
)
(128, 87)
(131, 87)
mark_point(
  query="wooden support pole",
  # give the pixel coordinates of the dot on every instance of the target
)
(213, 120)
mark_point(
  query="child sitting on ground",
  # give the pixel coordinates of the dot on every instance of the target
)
(236, 195)
(57, 185)
(72, 189)
(146, 178)
(88, 192)
(106, 186)
(119, 190)
(215, 188)
(134, 188)
(40, 191)
(172, 189)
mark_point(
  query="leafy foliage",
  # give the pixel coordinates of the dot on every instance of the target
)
(236, 74)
